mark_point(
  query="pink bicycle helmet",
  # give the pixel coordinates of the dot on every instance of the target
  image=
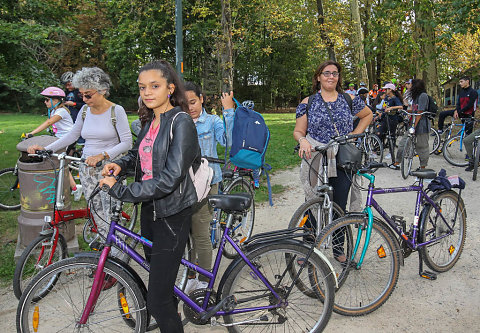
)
(53, 92)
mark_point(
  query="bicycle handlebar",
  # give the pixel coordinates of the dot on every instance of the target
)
(372, 165)
(214, 160)
(62, 156)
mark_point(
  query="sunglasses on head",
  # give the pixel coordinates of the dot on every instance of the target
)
(86, 96)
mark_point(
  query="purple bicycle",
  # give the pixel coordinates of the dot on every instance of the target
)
(275, 283)
(371, 251)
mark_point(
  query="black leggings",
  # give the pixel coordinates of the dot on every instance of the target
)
(341, 186)
(169, 236)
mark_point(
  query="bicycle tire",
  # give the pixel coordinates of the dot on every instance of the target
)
(364, 289)
(9, 189)
(443, 254)
(391, 148)
(407, 158)
(240, 230)
(273, 261)
(89, 232)
(75, 278)
(435, 142)
(452, 152)
(476, 161)
(34, 258)
(373, 148)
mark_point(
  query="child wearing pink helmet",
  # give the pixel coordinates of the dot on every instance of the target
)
(60, 120)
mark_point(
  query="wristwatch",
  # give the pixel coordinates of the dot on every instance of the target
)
(104, 153)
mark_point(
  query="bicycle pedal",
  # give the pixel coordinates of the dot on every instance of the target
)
(428, 275)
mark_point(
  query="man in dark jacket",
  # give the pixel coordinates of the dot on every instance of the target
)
(466, 103)
(72, 100)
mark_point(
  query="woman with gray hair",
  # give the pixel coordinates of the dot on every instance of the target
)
(104, 126)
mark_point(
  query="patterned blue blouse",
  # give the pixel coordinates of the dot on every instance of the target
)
(320, 126)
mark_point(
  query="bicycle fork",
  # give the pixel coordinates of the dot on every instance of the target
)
(96, 287)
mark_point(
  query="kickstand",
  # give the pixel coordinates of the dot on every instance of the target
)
(424, 274)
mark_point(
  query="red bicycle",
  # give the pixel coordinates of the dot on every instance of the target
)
(50, 246)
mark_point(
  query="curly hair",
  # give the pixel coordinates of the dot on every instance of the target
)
(178, 96)
(92, 78)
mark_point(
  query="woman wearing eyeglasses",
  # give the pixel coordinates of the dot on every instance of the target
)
(104, 126)
(329, 115)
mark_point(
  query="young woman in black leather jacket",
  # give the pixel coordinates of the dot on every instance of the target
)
(163, 184)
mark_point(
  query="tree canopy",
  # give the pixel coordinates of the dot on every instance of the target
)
(276, 45)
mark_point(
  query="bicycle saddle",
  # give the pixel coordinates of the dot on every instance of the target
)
(230, 203)
(424, 174)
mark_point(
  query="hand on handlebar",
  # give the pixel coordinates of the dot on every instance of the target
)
(33, 149)
(111, 169)
(108, 181)
(455, 115)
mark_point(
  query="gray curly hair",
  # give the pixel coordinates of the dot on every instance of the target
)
(92, 78)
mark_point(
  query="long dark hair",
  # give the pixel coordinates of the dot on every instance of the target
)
(176, 99)
(378, 99)
(418, 87)
(190, 86)
(316, 83)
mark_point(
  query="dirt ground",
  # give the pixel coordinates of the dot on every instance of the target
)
(449, 304)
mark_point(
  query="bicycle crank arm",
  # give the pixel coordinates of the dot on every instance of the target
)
(262, 318)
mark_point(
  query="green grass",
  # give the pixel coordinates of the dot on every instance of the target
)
(279, 155)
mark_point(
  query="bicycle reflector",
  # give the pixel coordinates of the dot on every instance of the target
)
(451, 249)
(123, 302)
(381, 252)
(303, 221)
(35, 319)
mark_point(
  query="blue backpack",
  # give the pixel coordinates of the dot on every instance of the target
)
(250, 136)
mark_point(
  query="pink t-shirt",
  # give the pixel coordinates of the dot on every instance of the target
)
(145, 151)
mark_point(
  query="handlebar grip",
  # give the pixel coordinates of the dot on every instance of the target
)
(99, 164)
(214, 160)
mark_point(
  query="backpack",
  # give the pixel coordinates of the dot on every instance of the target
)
(432, 107)
(113, 117)
(250, 137)
(202, 178)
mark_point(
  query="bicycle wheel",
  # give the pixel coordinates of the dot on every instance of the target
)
(89, 232)
(373, 148)
(129, 216)
(407, 158)
(444, 253)
(241, 230)
(362, 289)
(300, 313)
(476, 160)
(9, 189)
(391, 148)
(311, 214)
(36, 257)
(435, 143)
(454, 153)
(60, 309)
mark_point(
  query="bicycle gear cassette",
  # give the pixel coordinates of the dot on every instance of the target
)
(198, 296)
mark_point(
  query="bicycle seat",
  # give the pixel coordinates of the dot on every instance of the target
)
(230, 203)
(424, 174)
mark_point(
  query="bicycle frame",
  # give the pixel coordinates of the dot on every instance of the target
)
(410, 241)
(114, 239)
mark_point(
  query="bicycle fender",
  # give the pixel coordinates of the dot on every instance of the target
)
(325, 260)
(120, 264)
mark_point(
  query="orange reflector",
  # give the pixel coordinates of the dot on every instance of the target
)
(243, 240)
(303, 221)
(381, 252)
(35, 319)
(451, 249)
(124, 303)
(404, 237)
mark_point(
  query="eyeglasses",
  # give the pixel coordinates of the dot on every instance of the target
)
(85, 96)
(327, 74)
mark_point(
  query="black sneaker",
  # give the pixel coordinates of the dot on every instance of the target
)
(469, 167)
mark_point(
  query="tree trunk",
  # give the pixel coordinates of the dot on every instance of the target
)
(361, 65)
(425, 62)
(226, 48)
(323, 32)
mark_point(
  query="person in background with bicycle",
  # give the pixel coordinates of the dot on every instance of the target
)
(210, 131)
(72, 99)
(393, 103)
(61, 121)
(420, 125)
(104, 140)
(329, 116)
(465, 108)
(162, 183)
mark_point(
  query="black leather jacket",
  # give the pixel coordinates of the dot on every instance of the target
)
(169, 189)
